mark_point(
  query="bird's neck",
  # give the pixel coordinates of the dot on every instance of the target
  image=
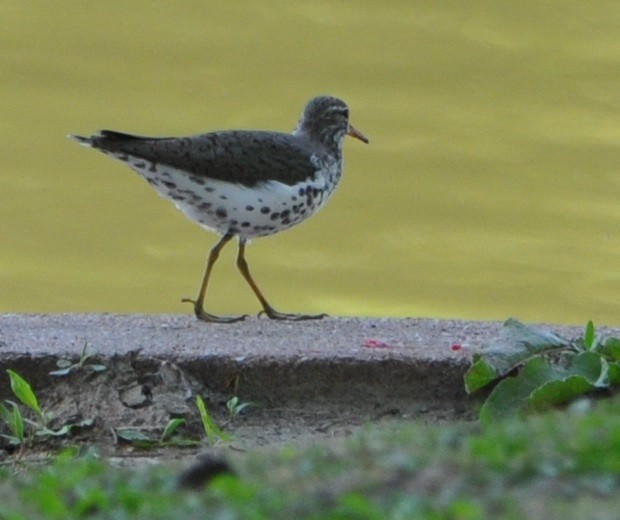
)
(328, 139)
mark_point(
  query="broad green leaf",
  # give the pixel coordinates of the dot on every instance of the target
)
(23, 391)
(131, 434)
(540, 385)
(511, 395)
(603, 378)
(135, 437)
(592, 367)
(610, 347)
(480, 374)
(587, 371)
(559, 391)
(590, 363)
(517, 343)
(98, 368)
(614, 374)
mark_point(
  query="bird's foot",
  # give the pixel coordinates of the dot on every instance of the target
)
(273, 314)
(202, 315)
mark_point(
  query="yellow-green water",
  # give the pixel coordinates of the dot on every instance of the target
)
(490, 189)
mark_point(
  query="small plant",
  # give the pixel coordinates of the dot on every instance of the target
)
(213, 432)
(66, 366)
(23, 391)
(235, 407)
(535, 370)
(170, 429)
(15, 420)
(169, 437)
(140, 437)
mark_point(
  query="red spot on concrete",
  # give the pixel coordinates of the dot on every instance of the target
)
(375, 343)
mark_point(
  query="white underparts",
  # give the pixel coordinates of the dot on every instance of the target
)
(222, 207)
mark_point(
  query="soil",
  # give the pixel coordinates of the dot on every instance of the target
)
(143, 397)
(133, 396)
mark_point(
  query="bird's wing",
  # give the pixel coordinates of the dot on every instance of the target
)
(243, 157)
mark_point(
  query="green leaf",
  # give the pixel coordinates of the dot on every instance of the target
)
(18, 423)
(590, 363)
(83, 355)
(540, 385)
(211, 429)
(208, 425)
(559, 392)
(588, 338)
(480, 374)
(239, 408)
(135, 437)
(231, 404)
(14, 420)
(131, 434)
(171, 427)
(23, 392)
(610, 348)
(61, 432)
(176, 441)
(13, 441)
(61, 372)
(592, 366)
(517, 343)
(587, 371)
(64, 363)
(614, 374)
(5, 414)
(235, 407)
(65, 429)
(98, 368)
(511, 395)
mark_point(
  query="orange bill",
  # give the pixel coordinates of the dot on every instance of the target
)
(358, 135)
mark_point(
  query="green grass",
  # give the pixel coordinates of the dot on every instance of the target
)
(562, 464)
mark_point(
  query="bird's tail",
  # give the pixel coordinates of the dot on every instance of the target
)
(84, 141)
(107, 140)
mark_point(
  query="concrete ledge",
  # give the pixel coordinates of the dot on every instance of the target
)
(274, 362)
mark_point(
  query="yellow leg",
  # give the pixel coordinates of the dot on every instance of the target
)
(267, 309)
(201, 314)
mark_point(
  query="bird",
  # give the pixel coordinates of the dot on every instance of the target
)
(242, 183)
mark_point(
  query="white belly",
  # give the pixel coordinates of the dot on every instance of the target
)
(221, 207)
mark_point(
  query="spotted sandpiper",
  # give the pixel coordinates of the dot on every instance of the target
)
(242, 183)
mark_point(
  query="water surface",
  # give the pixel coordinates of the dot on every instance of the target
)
(490, 187)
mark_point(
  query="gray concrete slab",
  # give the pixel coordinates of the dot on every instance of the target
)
(312, 361)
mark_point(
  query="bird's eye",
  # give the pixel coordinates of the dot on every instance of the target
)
(345, 113)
